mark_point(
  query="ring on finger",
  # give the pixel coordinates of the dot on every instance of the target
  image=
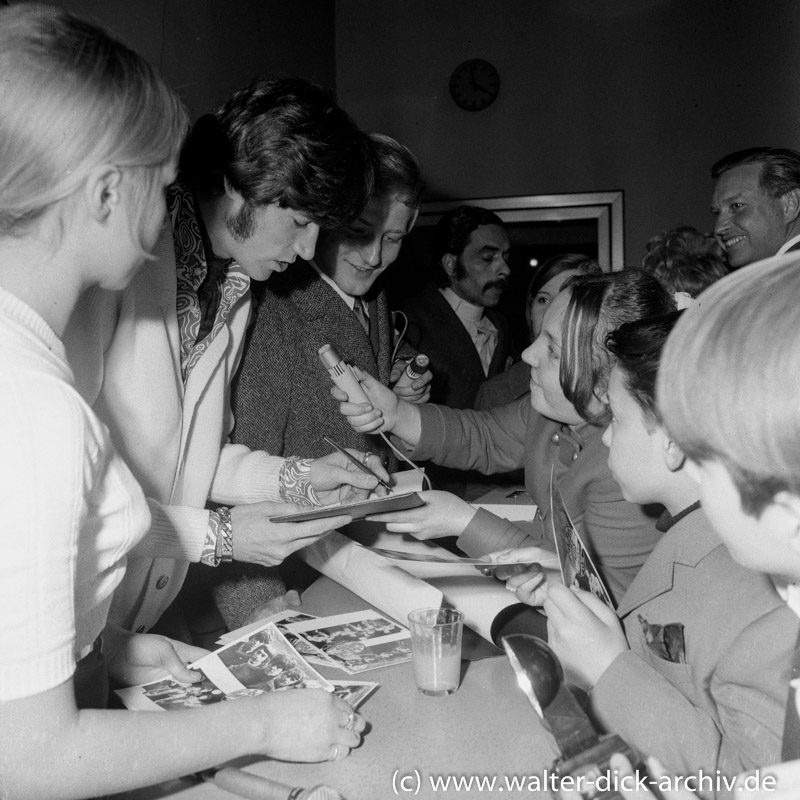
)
(351, 721)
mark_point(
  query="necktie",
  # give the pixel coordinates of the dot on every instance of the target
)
(361, 314)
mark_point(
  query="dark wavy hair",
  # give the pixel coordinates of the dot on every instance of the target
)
(780, 167)
(283, 141)
(598, 305)
(452, 233)
(685, 260)
(636, 348)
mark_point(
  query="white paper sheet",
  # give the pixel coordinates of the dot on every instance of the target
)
(375, 579)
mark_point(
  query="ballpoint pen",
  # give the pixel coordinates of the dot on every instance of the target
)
(362, 467)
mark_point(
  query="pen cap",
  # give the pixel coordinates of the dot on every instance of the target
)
(416, 368)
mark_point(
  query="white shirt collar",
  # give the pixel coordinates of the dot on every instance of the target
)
(788, 244)
(463, 308)
(348, 298)
(790, 592)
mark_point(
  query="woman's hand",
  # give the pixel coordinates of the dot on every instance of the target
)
(135, 658)
(443, 514)
(527, 571)
(386, 413)
(308, 725)
(584, 633)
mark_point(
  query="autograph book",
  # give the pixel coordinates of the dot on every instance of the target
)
(577, 567)
(358, 510)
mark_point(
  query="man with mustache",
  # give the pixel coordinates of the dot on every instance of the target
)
(756, 203)
(455, 322)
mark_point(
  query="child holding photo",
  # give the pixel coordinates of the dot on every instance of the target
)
(696, 671)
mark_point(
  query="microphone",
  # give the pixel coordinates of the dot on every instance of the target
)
(342, 374)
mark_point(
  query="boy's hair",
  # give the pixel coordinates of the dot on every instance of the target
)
(685, 260)
(283, 141)
(637, 348)
(397, 171)
(599, 304)
(729, 384)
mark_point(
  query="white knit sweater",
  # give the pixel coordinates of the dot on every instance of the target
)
(70, 510)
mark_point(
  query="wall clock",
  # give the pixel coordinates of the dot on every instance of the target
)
(474, 84)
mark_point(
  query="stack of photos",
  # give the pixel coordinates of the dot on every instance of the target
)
(355, 642)
(262, 661)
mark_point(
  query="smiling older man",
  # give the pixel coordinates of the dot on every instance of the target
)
(756, 203)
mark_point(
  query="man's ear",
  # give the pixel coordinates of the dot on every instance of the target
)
(791, 205)
(449, 264)
(229, 190)
(103, 191)
(674, 457)
(785, 511)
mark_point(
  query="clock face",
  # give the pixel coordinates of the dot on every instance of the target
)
(474, 85)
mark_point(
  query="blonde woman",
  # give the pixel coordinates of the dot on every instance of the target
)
(89, 137)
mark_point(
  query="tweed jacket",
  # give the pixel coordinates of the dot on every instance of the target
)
(281, 397)
(619, 534)
(435, 329)
(723, 707)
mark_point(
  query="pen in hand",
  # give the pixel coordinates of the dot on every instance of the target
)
(354, 460)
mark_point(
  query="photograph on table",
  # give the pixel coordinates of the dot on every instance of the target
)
(169, 694)
(577, 567)
(354, 692)
(358, 641)
(281, 619)
(264, 661)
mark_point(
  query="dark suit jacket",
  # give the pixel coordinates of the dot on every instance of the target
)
(435, 329)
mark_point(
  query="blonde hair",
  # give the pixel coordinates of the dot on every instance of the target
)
(73, 98)
(729, 383)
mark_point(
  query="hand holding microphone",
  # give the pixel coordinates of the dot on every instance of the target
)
(386, 413)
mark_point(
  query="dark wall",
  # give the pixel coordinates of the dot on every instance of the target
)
(208, 48)
(638, 95)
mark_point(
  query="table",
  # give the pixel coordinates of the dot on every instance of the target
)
(486, 730)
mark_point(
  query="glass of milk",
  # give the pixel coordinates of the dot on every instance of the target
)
(436, 645)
